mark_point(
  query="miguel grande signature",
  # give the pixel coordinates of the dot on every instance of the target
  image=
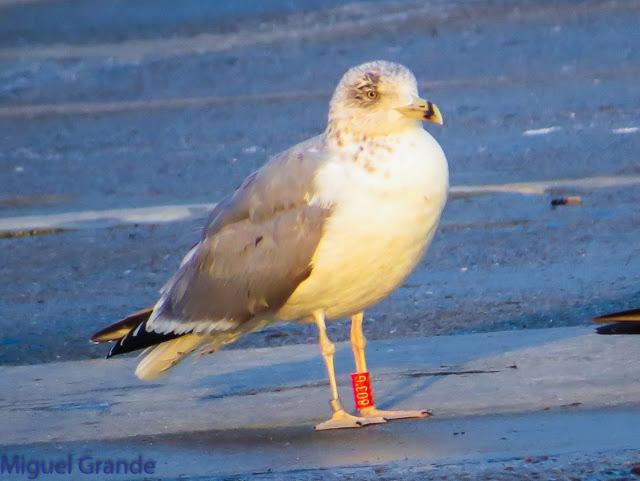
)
(34, 467)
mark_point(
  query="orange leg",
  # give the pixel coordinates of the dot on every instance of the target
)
(340, 418)
(358, 343)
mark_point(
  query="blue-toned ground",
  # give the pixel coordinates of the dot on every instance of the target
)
(529, 91)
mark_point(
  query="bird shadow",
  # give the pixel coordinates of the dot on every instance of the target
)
(411, 365)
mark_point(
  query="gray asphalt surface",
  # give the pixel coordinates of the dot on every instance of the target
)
(392, 452)
(93, 116)
(558, 403)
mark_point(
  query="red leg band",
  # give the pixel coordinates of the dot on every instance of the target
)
(362, 394)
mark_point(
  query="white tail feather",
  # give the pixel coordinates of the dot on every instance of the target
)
(166, 355)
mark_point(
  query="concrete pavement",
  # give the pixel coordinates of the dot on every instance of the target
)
(495, 396)
(111, 111)
(95, 119)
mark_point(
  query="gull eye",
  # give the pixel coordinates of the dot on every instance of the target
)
(372, 94)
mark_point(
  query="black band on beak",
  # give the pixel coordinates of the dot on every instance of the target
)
(430, 112)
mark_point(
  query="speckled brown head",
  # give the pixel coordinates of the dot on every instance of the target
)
(378, 98)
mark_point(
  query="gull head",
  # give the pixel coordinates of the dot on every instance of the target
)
(377, 99)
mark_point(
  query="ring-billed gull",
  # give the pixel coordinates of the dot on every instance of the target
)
(324, 230)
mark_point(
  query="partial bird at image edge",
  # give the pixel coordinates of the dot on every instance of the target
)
(623, 322)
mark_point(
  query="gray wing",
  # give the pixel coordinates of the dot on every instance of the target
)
(255, 250)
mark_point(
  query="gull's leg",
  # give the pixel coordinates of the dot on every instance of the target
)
(339, 419)
(358, 343)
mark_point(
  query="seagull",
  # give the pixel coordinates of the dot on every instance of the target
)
(625, 322)
(322, 231)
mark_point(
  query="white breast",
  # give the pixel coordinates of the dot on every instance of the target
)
(386, 207)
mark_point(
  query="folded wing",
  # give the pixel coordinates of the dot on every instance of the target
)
(255, 251)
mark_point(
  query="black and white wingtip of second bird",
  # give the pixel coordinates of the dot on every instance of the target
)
(624, 322)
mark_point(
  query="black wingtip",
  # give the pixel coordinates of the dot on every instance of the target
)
(139, 338)
(110, 354)
(627, 327)
(118, 330)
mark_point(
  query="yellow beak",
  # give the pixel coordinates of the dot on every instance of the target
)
(422, 110)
